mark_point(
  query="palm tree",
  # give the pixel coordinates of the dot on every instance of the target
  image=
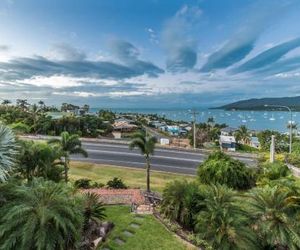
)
(272, 209)
(22, 103)
(146, 145)
(44, 215)
(69, 144)
(5, 102)
(222, 222)
(8, 151)
(243, 135)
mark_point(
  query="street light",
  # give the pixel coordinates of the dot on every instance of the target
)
(291, 124)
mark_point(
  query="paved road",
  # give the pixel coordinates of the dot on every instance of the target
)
(169, 160)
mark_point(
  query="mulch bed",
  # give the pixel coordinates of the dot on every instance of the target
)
(118, 196)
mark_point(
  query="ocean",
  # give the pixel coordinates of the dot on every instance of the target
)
(254, 120)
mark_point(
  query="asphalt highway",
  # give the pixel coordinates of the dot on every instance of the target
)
(168, 160)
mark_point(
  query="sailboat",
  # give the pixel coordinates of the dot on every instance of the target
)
(272, 118)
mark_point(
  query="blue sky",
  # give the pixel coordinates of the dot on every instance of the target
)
(150, 53)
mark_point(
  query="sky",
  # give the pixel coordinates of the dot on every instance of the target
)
(150, 53)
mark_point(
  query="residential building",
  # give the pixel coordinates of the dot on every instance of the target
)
(227, 143)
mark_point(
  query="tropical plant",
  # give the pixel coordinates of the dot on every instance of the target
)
(69, 144)
(43, 215)
(242, 135)
(146, 145)
(8, 151)
(5, 102)
(222, 222)
(37, 159)
(272, 210)
(94, 210)
(221, 168)
(116, 183)
(181, 202)
(274, 171)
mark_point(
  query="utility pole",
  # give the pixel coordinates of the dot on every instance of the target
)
(272, 149)
(194, 113)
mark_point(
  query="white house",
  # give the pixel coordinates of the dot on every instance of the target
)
(227, 143)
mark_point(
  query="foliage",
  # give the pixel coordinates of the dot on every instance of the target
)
(37, 159)
(271, 209)
(246, 148)
(69, 144)
(87, 183)
(242, 135)
(181, 202)
(20, 128)
(221, 168)
(94, 210)
(37, 118)
(116, 183)
(274, 171)
(222, 222)
(281, 141)
(42, 215)
(8, 151)
(146, 145)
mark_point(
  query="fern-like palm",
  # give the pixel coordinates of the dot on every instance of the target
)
(69, 144)
(146, 145)
(8, 151)
(273, 210)
(181, 202)
(93, 209)
(222, 222)
(44, 215)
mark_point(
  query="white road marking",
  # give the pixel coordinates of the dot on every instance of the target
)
(136, 154)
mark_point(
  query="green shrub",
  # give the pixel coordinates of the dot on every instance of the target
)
(116, 183)
(82, 183)
(274, 171)
(220, 168)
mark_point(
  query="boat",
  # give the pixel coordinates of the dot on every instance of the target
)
(272, 118)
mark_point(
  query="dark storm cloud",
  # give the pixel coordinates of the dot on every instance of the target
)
(22, 68)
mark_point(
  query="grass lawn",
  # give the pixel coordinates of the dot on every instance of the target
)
(151, 234)
(134, 178)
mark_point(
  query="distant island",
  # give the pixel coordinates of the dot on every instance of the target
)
(259, 104)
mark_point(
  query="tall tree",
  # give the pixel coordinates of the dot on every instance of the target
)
(146, 145)
(69, 144)
(8, 151)
(5, 102)
(22, 103)
(43, 215)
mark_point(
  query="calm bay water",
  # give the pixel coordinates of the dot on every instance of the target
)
(257, 120)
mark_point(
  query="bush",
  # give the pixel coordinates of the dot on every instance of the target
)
(82, 183)
(181, 202)
(221, 168)
(86, 184)
(116, 183)
(274, 171)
